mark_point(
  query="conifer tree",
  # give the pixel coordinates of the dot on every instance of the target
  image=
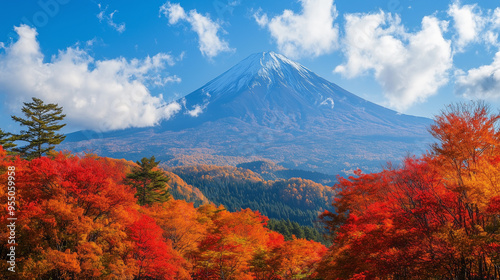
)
(42, 122)
(149, 182)
(7, 141)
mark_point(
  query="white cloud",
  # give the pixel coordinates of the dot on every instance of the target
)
(100, 95)
(310, 33)
(475, 25)
(196, 111)
(174, 12)
(262, 20)
(410, 67)
(482, 82)
(120, 27)
(491, 27)
(210, 44)
(495, 19)
(467, 21)
(491, 38)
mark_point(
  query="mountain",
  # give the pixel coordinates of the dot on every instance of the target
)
(268, 107)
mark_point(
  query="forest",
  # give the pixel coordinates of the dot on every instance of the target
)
(435, 216)
(76, 219)
(293, 199)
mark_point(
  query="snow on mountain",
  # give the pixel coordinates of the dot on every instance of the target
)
(266, 68)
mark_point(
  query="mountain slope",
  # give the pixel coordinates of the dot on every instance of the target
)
(269, 107)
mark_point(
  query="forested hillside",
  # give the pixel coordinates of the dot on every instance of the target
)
(76, 219)
(272, 171)
(291, 230)
(181, 190)
(294, 199)
(176, 186)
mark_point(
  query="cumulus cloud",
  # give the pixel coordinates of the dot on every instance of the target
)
(174, 12)
(467, 21)
(210, 44)
(196, 111)
(474, 25)
(410, 67)
(490, 32)
(103, 16)
(100, 95)
(310, 33)
(482, 82)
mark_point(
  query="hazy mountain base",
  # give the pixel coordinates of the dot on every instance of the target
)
(219, 144)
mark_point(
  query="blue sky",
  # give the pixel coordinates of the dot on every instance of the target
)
(119, 64)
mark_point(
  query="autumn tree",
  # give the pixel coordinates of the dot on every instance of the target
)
(467, 156)
(181, 223)
(42, 123)
(468, 145)
(149, 181)
(297, 258)
(155, 257)
(231, 242)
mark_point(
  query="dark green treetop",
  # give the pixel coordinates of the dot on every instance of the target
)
(7, 141)
(149, 182)
(42, 123)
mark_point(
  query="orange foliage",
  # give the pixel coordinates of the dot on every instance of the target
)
(71, 218)
(434, 218)
(221, 173)
(181, 223)
(155, 257)
(187, 192)
(77, 220)
(297, 258)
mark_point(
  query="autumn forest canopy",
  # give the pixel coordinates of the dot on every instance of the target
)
(436, 216)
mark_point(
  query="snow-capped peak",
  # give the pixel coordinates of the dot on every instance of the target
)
(277, 62)
(263, 68)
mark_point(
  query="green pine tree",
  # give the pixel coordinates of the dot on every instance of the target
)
(7, 141)
(150, 183)
(42, 122)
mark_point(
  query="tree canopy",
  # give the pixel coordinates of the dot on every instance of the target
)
(149, 181)
(42, 124)
(77, 220)
(7, 141)
(435, 217)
